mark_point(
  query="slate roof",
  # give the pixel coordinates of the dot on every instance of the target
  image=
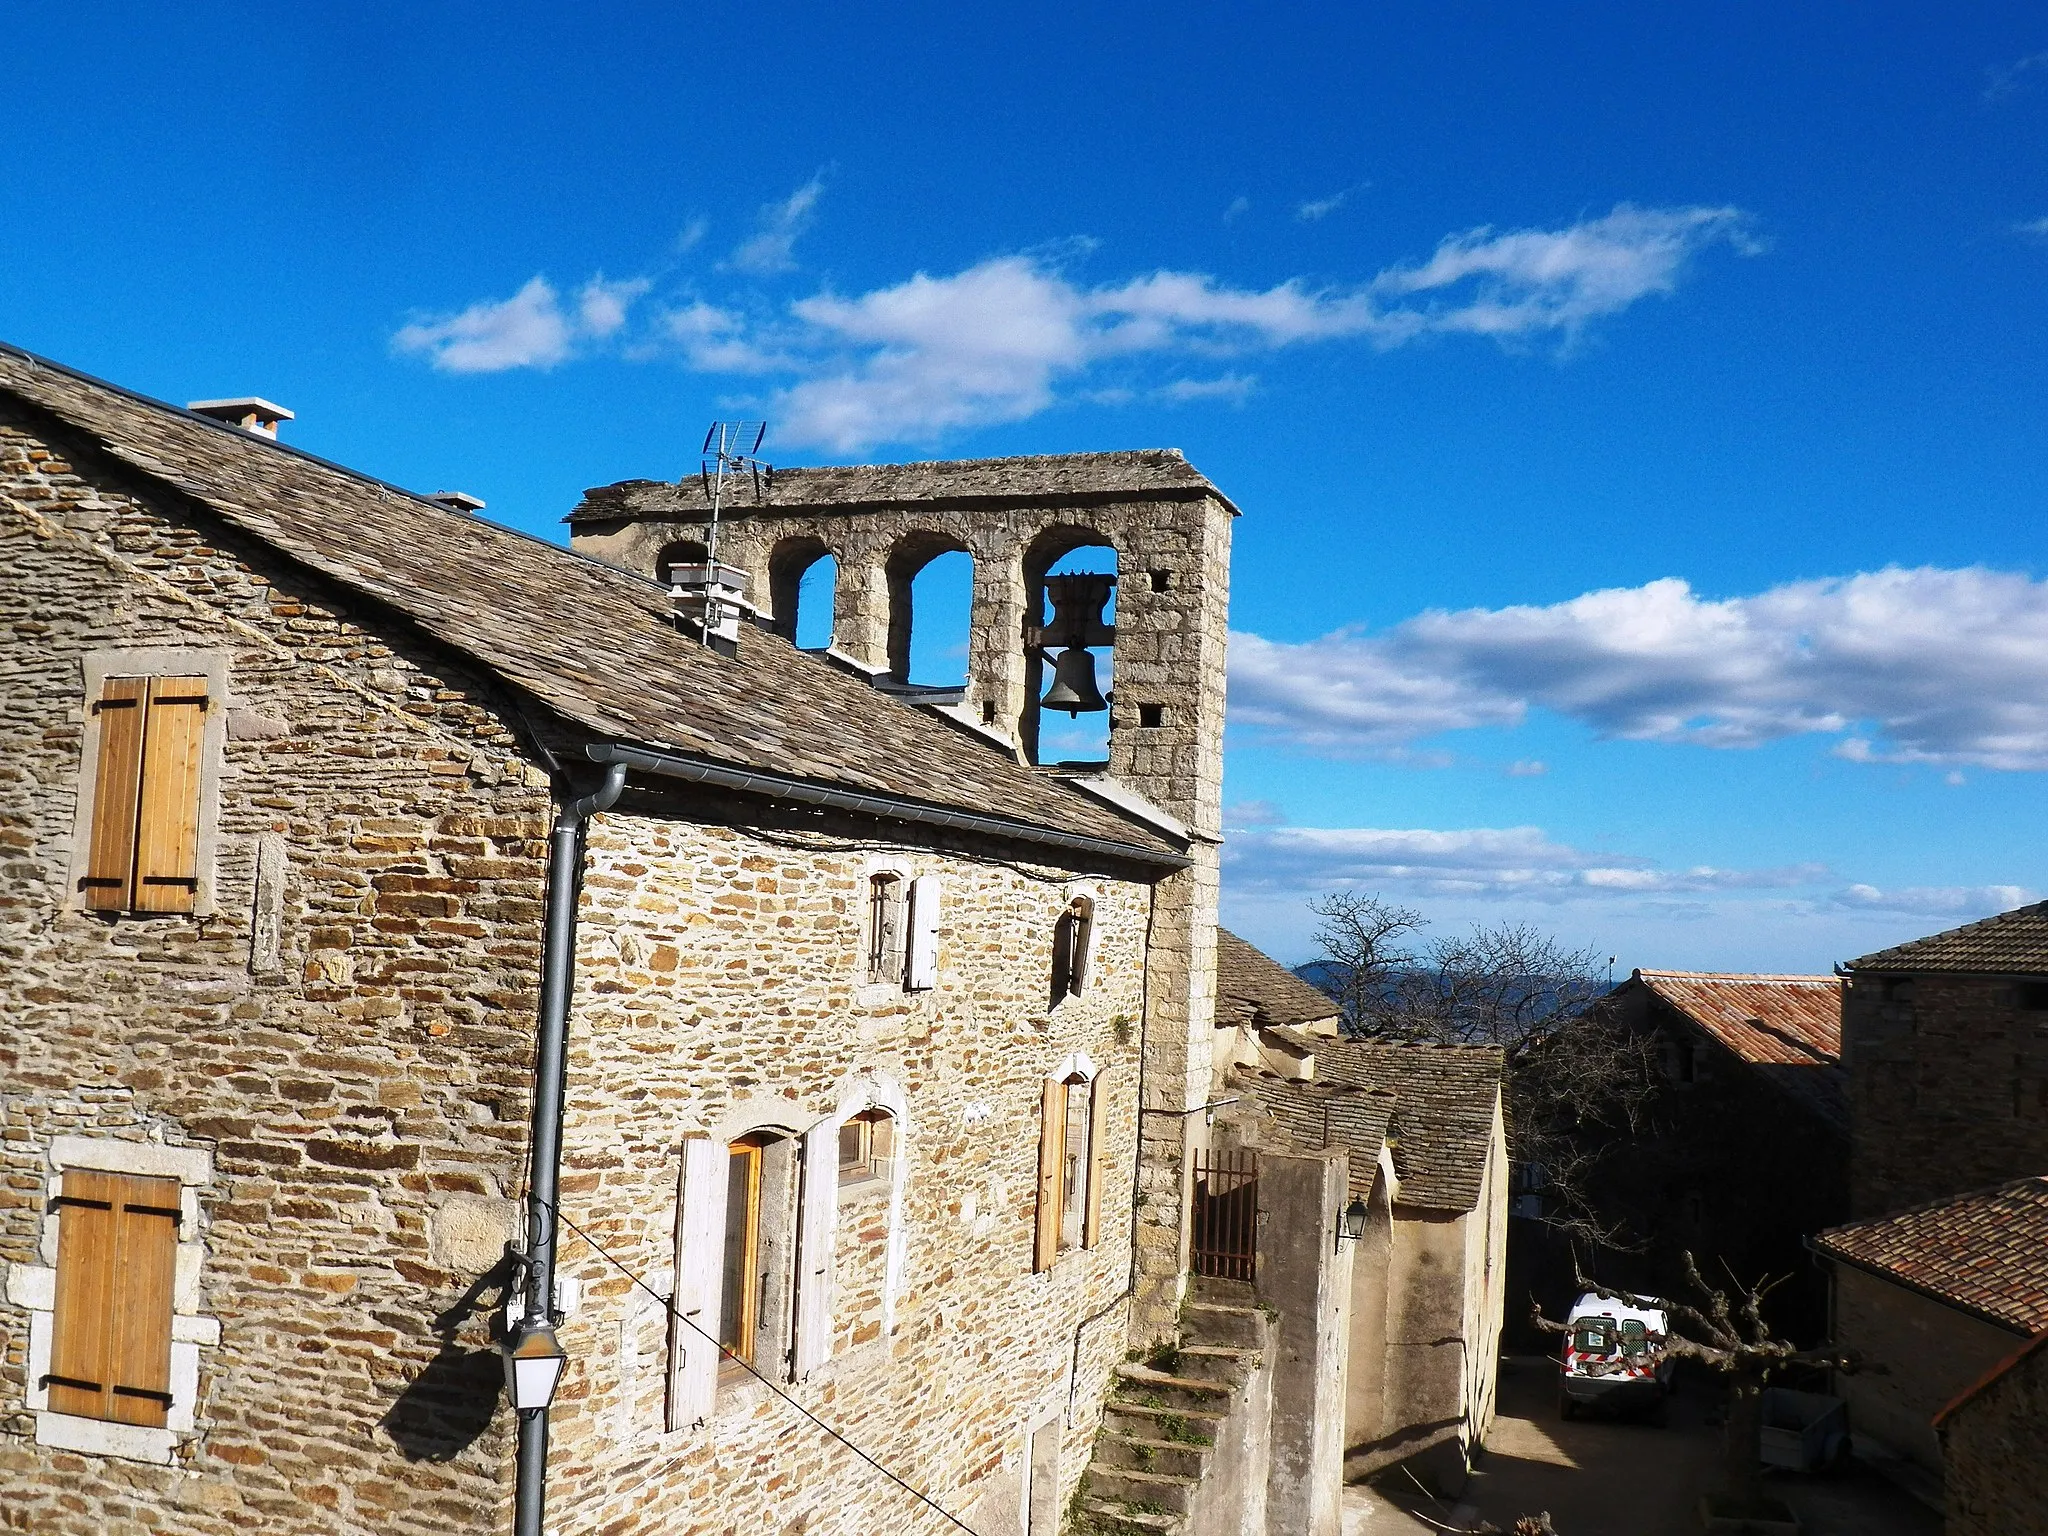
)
(1985, 1252)
(1787, 1028)
(2012, 943)
(1063, 478)
(1314, 1115)
(1443, 1112)
(596, 644)
(1265, 991)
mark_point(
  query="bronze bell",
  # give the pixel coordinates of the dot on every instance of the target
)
(1073, 684)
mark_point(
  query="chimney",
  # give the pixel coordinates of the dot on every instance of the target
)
(458, 501)
(713, 596)
(249, 412)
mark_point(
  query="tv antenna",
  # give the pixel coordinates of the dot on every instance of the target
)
(731, 450)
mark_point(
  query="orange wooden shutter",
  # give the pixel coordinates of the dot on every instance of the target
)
(1052, 1125)
(167, 839)
(1098, 1159)
(117, 1256)
(110, 866)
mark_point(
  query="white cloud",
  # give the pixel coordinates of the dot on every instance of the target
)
(1959, 902)
(2034, 229)
(1321, 207)
(1230, 386)
(2002, 80)
(772, 248)
(532, 329)
(1915, 666)
(1527, 768)
(1490, 862)
(1238, 208)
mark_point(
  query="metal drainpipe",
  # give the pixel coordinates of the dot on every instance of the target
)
(550, 1062)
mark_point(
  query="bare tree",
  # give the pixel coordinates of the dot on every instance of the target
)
(1735, 1342)
(1578, 1081)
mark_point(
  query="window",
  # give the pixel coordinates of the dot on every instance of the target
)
(143, 843)
(1072, 1133)
(866, 1144)
(2033, 996)
(117, 1251)
(1073, 941)
(740, 1284)
(1151, 716)
(885, 928)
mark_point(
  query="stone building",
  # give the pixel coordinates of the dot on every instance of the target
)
(1997, 1481)
(1946, 1044)
(1935, 1296)
(1425, 1148)
(1750, 1088)
(318, 791)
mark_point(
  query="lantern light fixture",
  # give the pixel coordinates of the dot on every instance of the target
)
(1353, 1222)
(533, 1365)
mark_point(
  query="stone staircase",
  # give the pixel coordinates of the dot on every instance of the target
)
(1175, 1420)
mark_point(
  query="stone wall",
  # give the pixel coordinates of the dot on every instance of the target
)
(354, 1086)
(1948, 1080)
(1995, 1481)
(1929, 1353)
(720, 984)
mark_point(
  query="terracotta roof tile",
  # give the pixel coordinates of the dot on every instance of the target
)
(1985, 1252)
(596, 644)
(1789, 1028)
(2012, 943)
(1265, 991)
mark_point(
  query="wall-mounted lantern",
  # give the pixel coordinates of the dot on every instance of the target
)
(1353, 1222)
(533, 1365)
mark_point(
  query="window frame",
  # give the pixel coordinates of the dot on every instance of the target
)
(888, 910)
(97, 668)
(870, 1168)
(1054, 1231)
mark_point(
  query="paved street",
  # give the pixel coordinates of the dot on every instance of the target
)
(1605, 1477)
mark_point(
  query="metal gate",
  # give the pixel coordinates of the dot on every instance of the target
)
(1226, 1213)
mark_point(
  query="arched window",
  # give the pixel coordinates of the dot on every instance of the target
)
(754, 1314)
(867, 1148)
(803, 587)
(885, 926)
(1073, 944)
(931, 587)
(1072, 1137)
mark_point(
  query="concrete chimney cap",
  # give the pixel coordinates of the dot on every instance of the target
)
(251, 412)
(457, 501)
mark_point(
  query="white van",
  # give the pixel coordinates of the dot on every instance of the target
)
(1614, 1356)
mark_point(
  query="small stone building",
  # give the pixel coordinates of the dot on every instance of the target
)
(1936, 1295)
(1996, 1478)
(1744, 1150)
(1946, 1043)
(1426, 1150)
(861, 1003)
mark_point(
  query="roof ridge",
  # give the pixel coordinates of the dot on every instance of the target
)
(1982, 924)
(1799, 976)
(2004, 1186)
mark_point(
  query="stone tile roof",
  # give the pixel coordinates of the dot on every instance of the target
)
(1032, 481)
(596, 644)
(1314, 1115)
(1445, 1096)
(1788, 1028)
(2012, 943)
(1985, 1252)
(1265, 990)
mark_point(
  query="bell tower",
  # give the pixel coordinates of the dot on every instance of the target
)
(1037, 641)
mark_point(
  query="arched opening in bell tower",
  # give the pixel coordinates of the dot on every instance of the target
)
(1070, 577)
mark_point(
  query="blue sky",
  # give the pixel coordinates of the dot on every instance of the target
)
(1638, 415)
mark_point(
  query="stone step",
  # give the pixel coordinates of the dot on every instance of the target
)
(1180, 1425)
(1142, 1384)
(1104, 1517)
(1230, 1293)
(1177, 1457)
(1151, 1490)
(1222, 1326)
(1211, 1362)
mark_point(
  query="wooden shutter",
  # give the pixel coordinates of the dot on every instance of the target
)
(1098, 1159)
(700, 1256)
(1052, 1135)
(117, 1262)
(817, 1223)
(1081, 947)
(110, 865)
(922, 972)
(167, 837)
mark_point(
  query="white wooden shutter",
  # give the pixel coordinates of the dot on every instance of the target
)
(922, 973)
(1083, 946)
(817, 1221)
(700, 1255)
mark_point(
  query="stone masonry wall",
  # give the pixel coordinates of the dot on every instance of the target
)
(721, 969)
(1948, 1084)
(1994, 1481)
(363, 1098)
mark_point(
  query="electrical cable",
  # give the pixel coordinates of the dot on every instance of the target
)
(669, 1306)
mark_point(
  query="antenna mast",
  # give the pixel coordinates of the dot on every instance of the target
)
(731, 448)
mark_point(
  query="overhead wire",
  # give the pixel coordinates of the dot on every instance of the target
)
(669, 1306)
